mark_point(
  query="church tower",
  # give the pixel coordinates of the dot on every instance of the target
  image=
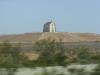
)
(49, 27)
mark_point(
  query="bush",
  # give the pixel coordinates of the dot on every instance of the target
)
(51, 53)
(10, 56)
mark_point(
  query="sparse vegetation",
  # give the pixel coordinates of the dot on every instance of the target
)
(96, 71)
(51, 53)
(10, 56)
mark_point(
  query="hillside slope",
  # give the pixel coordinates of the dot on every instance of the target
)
(64, 36)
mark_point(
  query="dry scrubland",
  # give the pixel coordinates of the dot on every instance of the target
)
(70, 40)
(35, 53)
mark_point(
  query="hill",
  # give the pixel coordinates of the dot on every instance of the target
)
(71, 40)
(64, 36)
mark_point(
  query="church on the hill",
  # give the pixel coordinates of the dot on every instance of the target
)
(49, 27)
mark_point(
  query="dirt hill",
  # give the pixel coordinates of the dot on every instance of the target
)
(88, 40)
(64, 36)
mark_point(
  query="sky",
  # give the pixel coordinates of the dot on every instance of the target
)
(24, 16)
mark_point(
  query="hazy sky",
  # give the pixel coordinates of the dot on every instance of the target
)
(21, 16)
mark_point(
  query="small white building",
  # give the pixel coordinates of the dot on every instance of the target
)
(49, 27)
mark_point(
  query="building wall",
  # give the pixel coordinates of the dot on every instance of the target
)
(46, 28)
(52, 27)
(49, 27)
